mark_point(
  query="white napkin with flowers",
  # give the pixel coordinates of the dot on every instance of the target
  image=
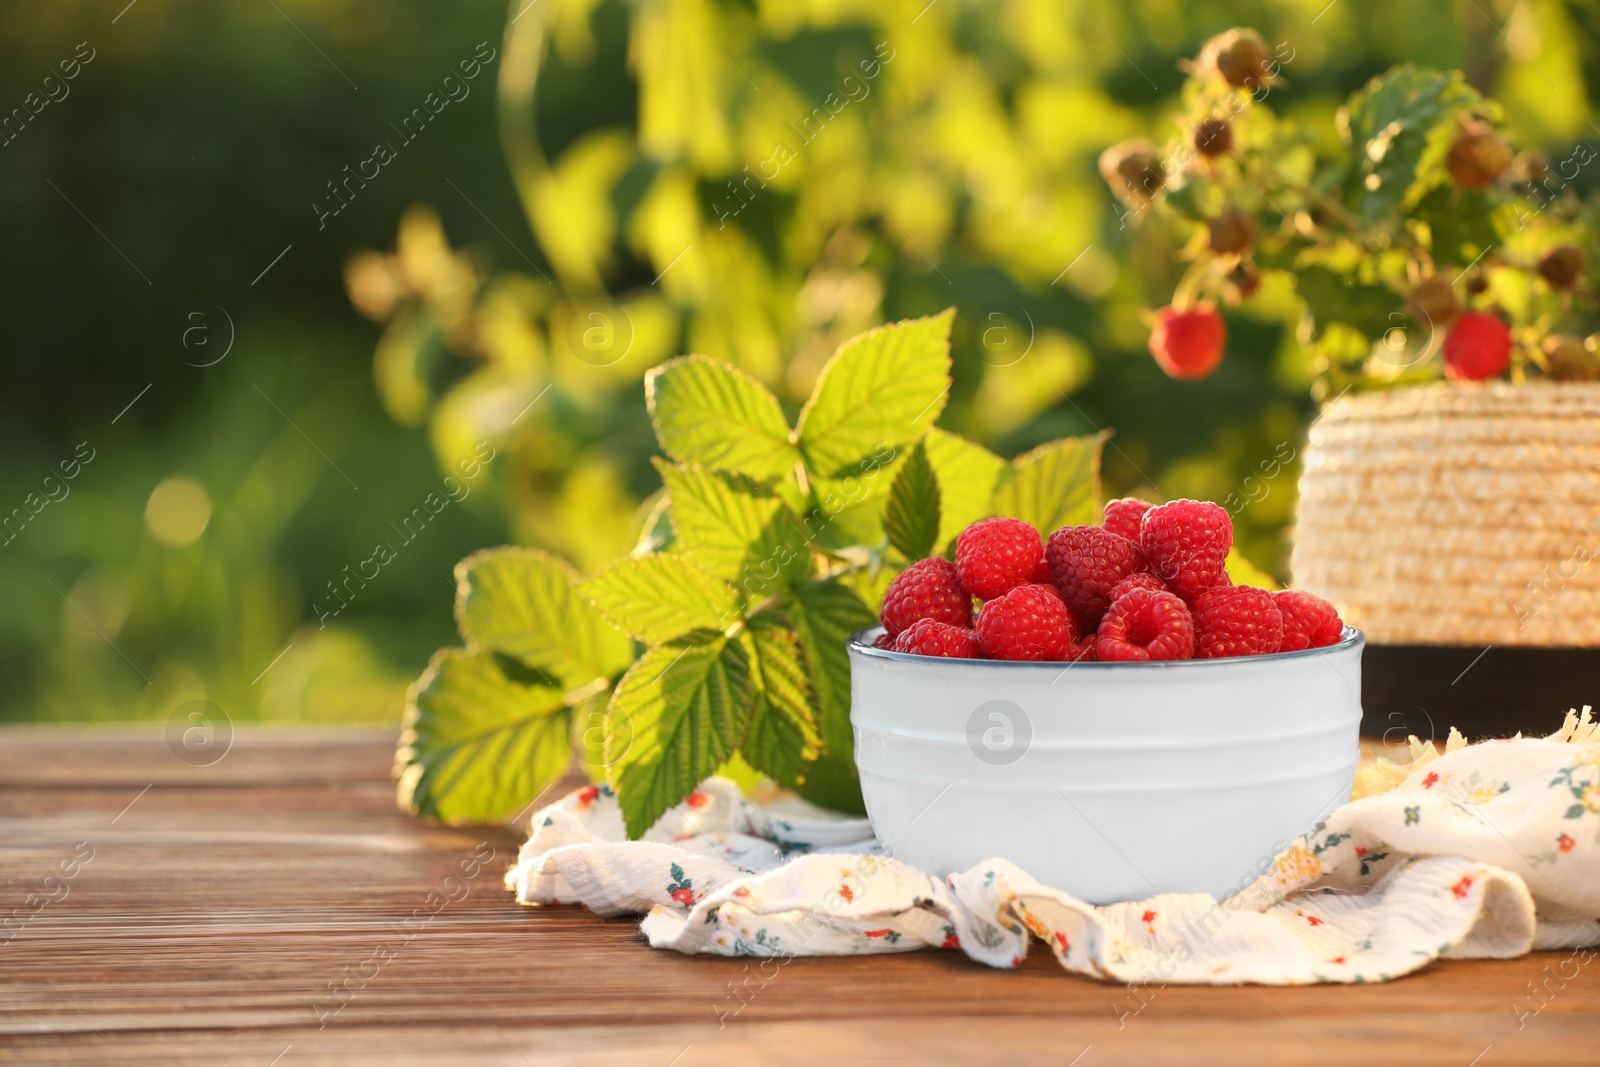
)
(1486, 851)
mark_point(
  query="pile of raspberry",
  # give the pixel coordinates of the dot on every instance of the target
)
(1149, 583)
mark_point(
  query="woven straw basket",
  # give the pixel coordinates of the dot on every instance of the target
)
(1457, 514)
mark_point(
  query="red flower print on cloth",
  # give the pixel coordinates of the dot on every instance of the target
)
(885, 932)
(681, 889)
(1461, 887)
(848, 893)
(1061, 939)
(586, 797)
(950, 938)
(1430, 780)
(1148, 917)
(1565, 843)
(1313, 920)
(698, 800)
(1337, 959)
(1361, 851)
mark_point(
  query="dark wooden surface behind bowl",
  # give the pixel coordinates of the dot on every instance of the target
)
(222, 903)
(1494, 692)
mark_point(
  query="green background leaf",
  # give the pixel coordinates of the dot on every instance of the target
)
(708, 413)
(912, 517)
(886, 386)
(657, 598)
(675, 718)
(479, 742)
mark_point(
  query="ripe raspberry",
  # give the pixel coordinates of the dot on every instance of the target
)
(1084, 651)
(1188, 344)
(884, 641)
(1146, 625)
(1238, 620)
(1478, 346)
(1122, 516)
(1041, 572)
(1142, 580)
(1087, 561)
(1186, 545)
(928, 589)
(994, 556)
(1308, 621)
(1030, 622)
(929, 637)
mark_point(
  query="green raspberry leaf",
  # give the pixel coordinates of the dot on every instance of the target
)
(713, 415)
(783, 736)
(482, 737)
(1055, 485)
(912, 519)
(883, 387)
(524, 602)
(968, 474)
(675, 718)
(657, 598)
(735, 529)
(825, 614)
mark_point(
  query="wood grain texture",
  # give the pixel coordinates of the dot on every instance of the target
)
(223, 906)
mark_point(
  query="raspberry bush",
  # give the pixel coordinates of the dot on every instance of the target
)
(1409, 243)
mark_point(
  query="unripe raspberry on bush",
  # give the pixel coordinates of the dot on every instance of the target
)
(1133, 170)
(1188, 344)
(1243, 281)
(1561, 266)
(1478, 155)
(1567, 359)
(1433, 301)
(1230, 233)
(1213, 137)
(1239, 57)
(1477, 347)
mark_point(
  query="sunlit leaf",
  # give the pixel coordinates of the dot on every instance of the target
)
(1055, 485)
(657, 598)
(882, 388)
(783, 736)
(522, 602)
(912, 518)
(968, 474)
(735, 529)
(675, 718)
(483, 736)
(825, 614)
(713, 415)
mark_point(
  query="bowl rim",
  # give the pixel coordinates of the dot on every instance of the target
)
(860, 643)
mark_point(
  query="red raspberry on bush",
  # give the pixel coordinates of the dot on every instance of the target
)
(1238, 620)
(1030, 622)
(929, 637)
(1308, 620)
(1087, 562)
(1188, 344)
(1122, 516)
(994, 556)
(1186, 545)
(1478, 346)
(928, 589)
(1145, 624)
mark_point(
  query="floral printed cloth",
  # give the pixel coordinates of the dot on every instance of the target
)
(1488, 851)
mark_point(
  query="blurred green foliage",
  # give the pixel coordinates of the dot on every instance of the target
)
(612, 178)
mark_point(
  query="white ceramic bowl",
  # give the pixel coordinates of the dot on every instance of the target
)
(1110, 781)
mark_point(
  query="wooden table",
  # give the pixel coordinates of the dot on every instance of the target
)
(216, 910)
